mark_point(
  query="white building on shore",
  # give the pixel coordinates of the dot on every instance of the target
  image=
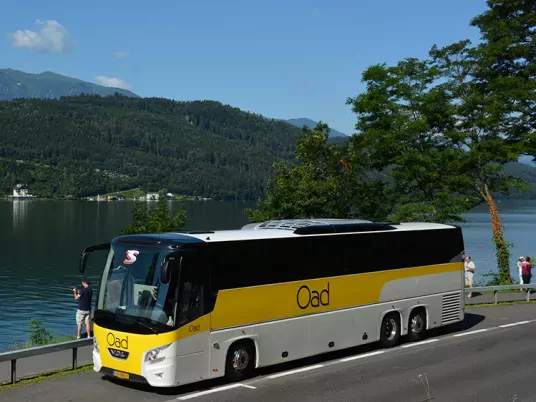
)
(152, 197)
(21, 192)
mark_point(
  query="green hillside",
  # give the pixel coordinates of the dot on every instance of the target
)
(85, 145)
(525, 172)
(47, 85)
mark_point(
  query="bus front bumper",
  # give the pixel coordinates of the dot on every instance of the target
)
(160, 374)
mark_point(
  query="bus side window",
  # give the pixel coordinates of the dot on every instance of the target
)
(191, 294)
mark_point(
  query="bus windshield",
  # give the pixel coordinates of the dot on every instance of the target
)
(131, 289)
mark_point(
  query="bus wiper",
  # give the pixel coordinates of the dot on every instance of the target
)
(137, 320)
(140, 321)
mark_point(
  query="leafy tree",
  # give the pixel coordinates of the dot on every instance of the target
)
(401, 119)
(157, 220)
(494, 90)
(480, 126)
(323, 185)
(443, 128)
(506, 69)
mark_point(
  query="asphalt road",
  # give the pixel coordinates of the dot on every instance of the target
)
(489, 357)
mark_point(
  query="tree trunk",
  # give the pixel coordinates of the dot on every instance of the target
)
(502, 251)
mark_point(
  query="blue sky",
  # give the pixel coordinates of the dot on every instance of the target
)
(282, 59)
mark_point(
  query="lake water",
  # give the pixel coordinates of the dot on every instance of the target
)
(41, 241)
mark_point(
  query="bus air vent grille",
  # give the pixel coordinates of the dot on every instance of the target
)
(451, 308)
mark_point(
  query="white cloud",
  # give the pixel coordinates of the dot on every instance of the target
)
(112, 82)
(53, 37)
(121, 55)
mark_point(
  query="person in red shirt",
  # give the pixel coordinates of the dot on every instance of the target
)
(526, 267)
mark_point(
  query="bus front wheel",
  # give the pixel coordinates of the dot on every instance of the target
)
(390, 330)
(240, 362)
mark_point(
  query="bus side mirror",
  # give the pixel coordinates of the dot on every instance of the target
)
(83, 261)
(86, 252)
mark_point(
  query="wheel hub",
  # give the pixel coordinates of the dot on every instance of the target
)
(240, 359)
(390, 329)
(417, 324)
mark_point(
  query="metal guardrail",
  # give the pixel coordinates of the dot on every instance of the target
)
(495, 289)
(42, 350)
(74, 345)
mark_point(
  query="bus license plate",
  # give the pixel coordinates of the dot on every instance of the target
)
(120, 374)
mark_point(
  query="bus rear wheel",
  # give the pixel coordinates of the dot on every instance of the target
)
(240, 362)
(390, 330)
(417, 325)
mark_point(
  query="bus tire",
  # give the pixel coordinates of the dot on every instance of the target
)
(240, 362)
(417, 324)
(390, 330)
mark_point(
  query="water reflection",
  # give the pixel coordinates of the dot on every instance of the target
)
(20, 211)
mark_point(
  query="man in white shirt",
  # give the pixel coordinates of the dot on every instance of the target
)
(519, 262)
(469, 273)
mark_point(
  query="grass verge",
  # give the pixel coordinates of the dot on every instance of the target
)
(45, 376)
(512, 291)
(501, 303)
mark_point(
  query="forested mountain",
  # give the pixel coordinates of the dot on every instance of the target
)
(302, 121)
(18, 84)
(86, 145)
(525, 172)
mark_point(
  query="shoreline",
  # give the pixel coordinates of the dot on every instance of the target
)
(87, 199)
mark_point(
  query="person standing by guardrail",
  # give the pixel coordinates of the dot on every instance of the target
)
(526, 268)
(519, 262)
(84, 297)
(469, 273)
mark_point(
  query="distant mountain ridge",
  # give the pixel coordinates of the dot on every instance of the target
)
(303, 121)
(47, 85)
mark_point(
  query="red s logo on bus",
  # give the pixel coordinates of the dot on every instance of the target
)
(131, 256)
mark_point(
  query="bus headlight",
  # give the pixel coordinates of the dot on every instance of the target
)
(152, 355)
(96, 345)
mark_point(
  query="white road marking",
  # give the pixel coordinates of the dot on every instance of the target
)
(410, 345)
(347, 359)
(211, 391)
(473, 332)
(513, 324)
(301, 370)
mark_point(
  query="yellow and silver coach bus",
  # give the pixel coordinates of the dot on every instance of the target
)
(174, 309)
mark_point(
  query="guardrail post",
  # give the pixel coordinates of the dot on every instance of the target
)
(75, 358)
(495, 296)
(528, 295)
(13, 371)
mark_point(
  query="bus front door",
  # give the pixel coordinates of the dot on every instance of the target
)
(193, 352)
